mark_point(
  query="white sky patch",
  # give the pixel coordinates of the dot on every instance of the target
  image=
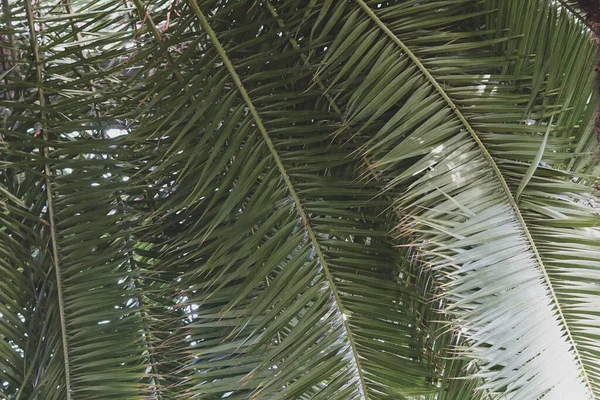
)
(113, 133)
(481, 88)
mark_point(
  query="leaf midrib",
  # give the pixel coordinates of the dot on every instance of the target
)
(300, 210)
(49, 197)
(574, 12)
(496, 170)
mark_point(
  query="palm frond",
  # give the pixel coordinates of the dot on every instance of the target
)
(461, 175)
(305, 200)
(262, 308)
(79, 300)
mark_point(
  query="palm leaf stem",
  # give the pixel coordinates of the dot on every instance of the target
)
(145, 332)
(156, 388)
(300, 210)
(143, 13)
(576, 14)
(49, 196)
(494, 167)
(76, 32)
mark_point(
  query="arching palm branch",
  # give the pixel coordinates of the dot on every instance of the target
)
(298, 200)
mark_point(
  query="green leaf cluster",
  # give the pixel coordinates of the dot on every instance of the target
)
(298, 199)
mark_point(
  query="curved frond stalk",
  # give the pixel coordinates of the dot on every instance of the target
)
(87, 233)
(573, 7)
(292, 191)
(443, 141)
(498, 174)
(155, 388)
(229, 245)
(49, 196)
(219, 257)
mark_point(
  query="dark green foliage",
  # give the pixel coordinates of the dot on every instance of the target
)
(305, 200)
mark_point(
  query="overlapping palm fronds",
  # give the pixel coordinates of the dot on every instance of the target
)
(298, 200)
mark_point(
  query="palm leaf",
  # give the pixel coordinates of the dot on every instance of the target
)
(75, 261)
(322, 261)
(307, 200)
(462, 174)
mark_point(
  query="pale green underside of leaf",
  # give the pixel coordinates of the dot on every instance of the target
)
(309, 200)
